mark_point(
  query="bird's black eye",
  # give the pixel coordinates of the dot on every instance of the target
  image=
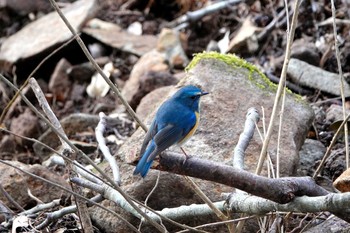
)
(193, 97)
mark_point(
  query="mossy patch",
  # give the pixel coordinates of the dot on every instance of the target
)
(238, 62)
(231, 59)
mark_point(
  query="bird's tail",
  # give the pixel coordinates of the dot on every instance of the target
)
(143, 166)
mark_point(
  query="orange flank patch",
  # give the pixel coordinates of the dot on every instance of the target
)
(192, 131)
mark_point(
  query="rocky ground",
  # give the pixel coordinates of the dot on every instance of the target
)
(136, 44)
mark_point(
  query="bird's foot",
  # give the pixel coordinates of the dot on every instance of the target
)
(186, 156)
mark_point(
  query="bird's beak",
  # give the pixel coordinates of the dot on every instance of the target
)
(204, 93)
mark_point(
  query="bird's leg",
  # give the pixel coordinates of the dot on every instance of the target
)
(187, 156)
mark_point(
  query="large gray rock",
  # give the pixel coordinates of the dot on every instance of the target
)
(234, 87)
(45, 33)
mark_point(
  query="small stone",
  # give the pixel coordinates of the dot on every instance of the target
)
(152, 61)
(114, 36)
(304, 50)
(311, 152)
(335, 113)
(335, 164)
(342, 183)
(26, 125)
(212, 46)
(78, 94)
(97, 50)
(150, 27)
(7, 147)
(245, 40)
(60, 85)
(170, 44)
(82, 72)
(311, 76)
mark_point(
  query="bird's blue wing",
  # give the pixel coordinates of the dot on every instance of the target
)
(165, 138)
(152, 131)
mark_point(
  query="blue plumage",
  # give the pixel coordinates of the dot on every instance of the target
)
(176, 120)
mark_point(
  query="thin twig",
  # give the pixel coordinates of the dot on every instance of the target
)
(211, 205)
(34, 197)
(252, 118)
(287, 13)
(332, 202)
(10, 199)
(279, 89)
(153, 189)
(277, 175)
(100, 128)
(58, 214)
(221, 222)
(48, 111)
(84, 217)
(150, 194)
(337, 54)
(41, 207)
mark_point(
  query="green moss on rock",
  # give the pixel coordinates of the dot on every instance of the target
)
(237, 62)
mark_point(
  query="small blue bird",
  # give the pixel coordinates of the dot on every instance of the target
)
(175, 122)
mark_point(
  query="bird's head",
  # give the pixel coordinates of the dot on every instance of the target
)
(189, 96)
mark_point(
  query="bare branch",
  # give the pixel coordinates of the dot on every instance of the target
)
(282, 190)
(333, 202)
(192, 16)
(84, 217)
(100, 128)
(252, 118)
